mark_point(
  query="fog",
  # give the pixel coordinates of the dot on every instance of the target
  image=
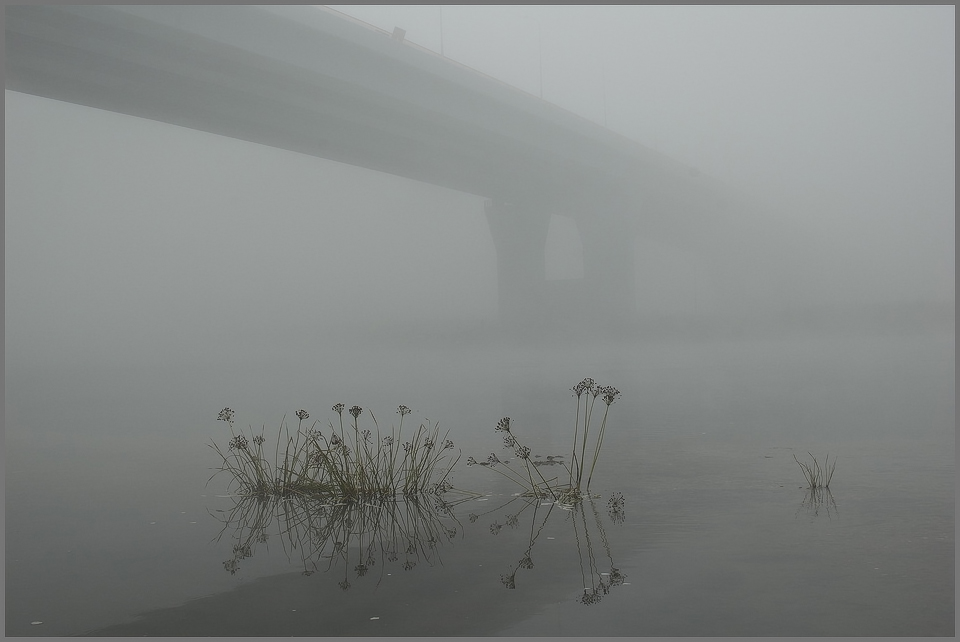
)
(128, 239)
(155, 274)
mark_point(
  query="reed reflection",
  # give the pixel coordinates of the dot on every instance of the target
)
(817, 499)
(586, 525)
(360, 536)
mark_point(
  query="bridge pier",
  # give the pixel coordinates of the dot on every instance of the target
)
(604, 296)
(520, 237)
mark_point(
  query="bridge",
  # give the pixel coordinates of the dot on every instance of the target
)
(314, 81)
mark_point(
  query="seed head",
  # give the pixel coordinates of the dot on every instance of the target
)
(610, 394)
(447, 444)
(239, 443)
(338, 408)
(503, 425)
(355, 411)
(303, 415)
(226, 415)
(523, 452)
(587, 385)
(403, 410)
(258, 440)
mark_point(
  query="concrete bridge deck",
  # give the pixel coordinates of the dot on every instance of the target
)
(311, 81)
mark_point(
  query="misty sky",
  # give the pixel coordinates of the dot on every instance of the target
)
(127, 235)
(845, 113)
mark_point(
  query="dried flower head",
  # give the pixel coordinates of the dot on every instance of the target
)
(523, 452)
(403, 410)
(508, 581)
(509, 441)
(258, 440)
(493, 460)
(471, 461)
(239, 443)
(226, 415)
(610, 394)
(503, 425)
(388, 440)
(303, 415)
(587, 385)
(447, 444)
(338, 408)
(355, 411)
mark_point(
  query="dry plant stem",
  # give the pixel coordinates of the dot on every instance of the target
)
(596, 452)
(816, 476)
(573, 455)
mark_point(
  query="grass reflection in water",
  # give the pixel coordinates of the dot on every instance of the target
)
(361, 536)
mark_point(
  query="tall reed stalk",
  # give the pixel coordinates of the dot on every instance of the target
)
(586, 393)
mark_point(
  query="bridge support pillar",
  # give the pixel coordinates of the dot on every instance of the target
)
(520, 237)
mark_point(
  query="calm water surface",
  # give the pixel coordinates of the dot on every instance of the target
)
(113, 530)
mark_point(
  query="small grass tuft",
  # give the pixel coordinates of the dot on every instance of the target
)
(817, 476)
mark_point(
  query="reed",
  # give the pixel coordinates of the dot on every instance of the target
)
(529, 476)
(348, 463)
(817, 476)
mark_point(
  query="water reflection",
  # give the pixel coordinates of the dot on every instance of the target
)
(596, 583)
(817, 499)
(361, 536)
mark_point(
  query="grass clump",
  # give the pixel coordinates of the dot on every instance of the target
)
(817, 476)
(530, 477)
(347, 464)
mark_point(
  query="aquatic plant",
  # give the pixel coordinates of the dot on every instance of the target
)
(349, 463)
(571, 493)
(817, 476)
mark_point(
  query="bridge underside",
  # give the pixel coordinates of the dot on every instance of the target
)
(308, 80)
